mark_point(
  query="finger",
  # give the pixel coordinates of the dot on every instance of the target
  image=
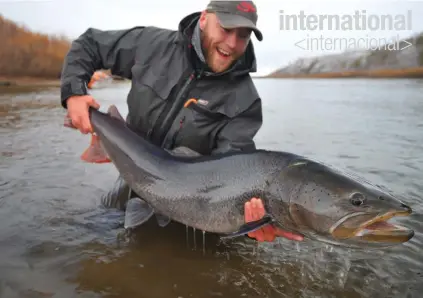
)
(84, 128)
(289, 235)
(85, 125)
(260, 208)
(247, 212)
(269, 233)
(94, 104)
(256, 216)
(254, 209)
(248, 217)
(258, 235)
(76, 122)
(268, 230)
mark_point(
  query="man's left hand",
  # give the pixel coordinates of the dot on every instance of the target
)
(254, 210)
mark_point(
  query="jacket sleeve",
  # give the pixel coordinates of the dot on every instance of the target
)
(97, 49)
(238, 134)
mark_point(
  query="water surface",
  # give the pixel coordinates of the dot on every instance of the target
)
(56, 241)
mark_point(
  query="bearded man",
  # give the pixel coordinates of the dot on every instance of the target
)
(191, 87)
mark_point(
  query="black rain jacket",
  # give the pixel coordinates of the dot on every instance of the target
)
(166, 72)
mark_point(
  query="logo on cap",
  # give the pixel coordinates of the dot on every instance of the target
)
(246, 7)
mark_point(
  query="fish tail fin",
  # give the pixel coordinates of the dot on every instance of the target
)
(95, 153)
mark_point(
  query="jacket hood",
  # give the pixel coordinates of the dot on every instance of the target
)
(244, 65)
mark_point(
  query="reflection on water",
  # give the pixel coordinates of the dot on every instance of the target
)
(56, 241)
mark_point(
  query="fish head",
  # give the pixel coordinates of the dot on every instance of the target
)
(336, 208)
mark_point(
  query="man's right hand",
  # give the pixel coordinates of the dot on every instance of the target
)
(78, 111)
(254, 210)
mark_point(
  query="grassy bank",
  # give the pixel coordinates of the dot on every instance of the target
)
(28, 57)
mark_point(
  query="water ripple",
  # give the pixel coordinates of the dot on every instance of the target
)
(57, 241)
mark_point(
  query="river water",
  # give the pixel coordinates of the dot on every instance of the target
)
(56, 241)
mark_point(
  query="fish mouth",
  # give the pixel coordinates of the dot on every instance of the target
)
(372, 228)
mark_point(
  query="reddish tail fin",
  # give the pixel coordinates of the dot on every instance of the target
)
(95, 153)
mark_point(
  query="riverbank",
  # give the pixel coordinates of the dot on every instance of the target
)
(10, 85)
(415, 72)
(27, 54)
(28, 81)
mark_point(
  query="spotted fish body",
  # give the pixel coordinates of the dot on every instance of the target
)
(209, 192)
(206, 193)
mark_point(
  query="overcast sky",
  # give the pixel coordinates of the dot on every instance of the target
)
(72, 17)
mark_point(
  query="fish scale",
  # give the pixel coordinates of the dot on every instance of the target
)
(209, 193)
(180, 195)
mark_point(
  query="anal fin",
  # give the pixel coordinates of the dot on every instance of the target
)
(137, 212)
(249, 227)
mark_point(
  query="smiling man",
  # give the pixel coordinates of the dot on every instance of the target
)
(225, 29)
(191, 87)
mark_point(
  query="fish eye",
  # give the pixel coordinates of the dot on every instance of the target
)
(357, 199)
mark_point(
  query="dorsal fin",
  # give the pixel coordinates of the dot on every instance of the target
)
(114, 113)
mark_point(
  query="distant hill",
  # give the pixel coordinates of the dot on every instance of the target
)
(28, 54)
(381, 62)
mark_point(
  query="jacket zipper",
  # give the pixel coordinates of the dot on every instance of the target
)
(181, 124)
(171, 110)
(181, 121)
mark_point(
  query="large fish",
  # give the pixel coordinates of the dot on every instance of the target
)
(208, 192)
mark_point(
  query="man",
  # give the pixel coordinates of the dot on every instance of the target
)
(190, 87)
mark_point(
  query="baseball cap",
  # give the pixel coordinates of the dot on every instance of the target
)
(234, 14)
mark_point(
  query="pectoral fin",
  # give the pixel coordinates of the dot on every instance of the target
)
(137, 212)
(249, 227)
(114, 113)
